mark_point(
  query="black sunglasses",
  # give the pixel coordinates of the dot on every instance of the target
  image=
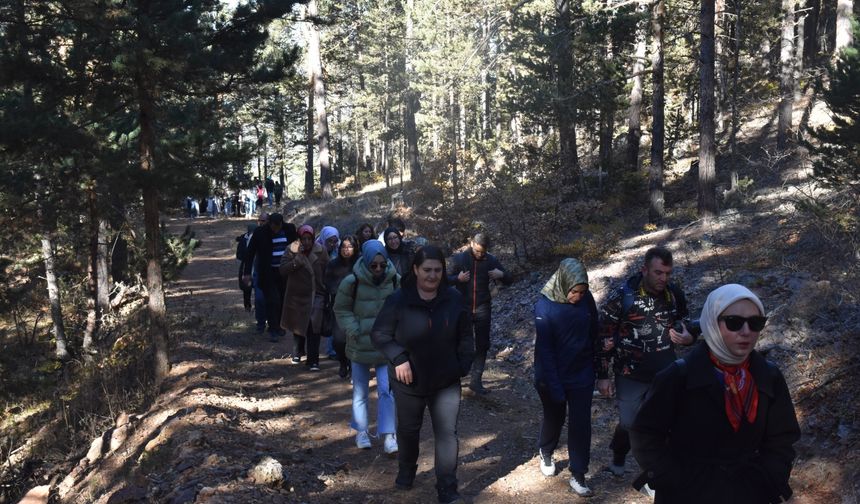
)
(736, 322)
(375, 266)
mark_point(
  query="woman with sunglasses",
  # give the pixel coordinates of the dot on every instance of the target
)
(566, 335)
(718, 426)
(358, 301)
(425, 333)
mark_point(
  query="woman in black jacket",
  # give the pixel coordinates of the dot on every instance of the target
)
(424, 331)
(337, 269)
(718, 426)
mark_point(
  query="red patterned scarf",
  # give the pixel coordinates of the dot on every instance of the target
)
(741, 394)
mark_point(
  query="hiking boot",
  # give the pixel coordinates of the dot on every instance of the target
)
(343, 370)
(478, 388)
(577, 484)
(390, 443)
(616, 470)
(547, 466)
(314, 367)
(405, 477)
(362, 440)
(449, 495)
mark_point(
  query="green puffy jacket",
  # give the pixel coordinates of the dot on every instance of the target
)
(356, 316)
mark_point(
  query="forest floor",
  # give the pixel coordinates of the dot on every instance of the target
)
(233, 398)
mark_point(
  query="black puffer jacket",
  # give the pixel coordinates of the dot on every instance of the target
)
(476, 291)
(435, 337)
(687, 448)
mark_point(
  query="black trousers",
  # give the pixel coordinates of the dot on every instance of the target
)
(577, 410)
(273, 287)
(444, 406)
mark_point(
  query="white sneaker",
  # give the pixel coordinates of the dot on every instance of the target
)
(547, 466)
(390, 443)
(577, 484)
(647, 490)
(362, 440)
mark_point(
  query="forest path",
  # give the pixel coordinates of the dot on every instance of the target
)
(242, 400)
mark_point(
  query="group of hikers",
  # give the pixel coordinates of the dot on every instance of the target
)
(716, 426)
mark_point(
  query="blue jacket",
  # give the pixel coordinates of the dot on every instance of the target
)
(564, 345)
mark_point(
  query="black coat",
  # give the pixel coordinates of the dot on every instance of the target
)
(476, 291)
(688, 451)
(435, 337)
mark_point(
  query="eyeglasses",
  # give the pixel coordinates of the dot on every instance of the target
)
(736, 322)
(376, 266)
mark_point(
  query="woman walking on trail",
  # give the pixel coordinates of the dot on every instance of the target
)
(397, 251)
(718, 425)
(303, 265)
(364, 233)
(424, 331)
(566, 333)
(337, 269)
(329, 238)
(359, 299)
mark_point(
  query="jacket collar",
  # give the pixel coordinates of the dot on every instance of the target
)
(411, 294)
(700, 371)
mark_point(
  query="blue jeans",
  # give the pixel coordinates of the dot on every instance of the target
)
(360, 393)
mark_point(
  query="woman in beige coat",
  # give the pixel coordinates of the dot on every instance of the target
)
(303, 266)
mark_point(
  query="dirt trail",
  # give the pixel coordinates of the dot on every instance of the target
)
(235, 398)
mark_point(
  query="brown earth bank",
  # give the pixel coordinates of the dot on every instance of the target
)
(237, 422)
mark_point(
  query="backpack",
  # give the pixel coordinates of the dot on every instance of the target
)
(355, 287)
(241, 248)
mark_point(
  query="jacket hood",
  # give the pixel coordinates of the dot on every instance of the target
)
(570, 272)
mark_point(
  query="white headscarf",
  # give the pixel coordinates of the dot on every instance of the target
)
(718, 300)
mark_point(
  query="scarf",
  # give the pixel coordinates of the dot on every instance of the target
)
(740, 392)
(570, 273)
(306, 229)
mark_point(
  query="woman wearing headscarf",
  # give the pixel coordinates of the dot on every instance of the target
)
(303, 265)
(425, 333)
(718, 426)
(359, 299)
(566, 334)
(398, 252)
(329, 238)
(337, 269)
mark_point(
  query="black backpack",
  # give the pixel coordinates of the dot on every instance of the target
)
(241, 248)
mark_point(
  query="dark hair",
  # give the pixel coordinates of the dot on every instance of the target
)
(428, 252)
(355, 248)
(661, 253)
(482, 239)
(359, 233)
(398, 223)
(276, 219)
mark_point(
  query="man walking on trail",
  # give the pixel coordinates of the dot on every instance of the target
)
(637, 328)
(265, 249)
(470, 272)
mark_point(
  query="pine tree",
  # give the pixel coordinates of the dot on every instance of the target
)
(838, 152)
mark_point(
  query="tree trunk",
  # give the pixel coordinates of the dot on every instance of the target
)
(844, 15)
(154, 280)
(736, 52)
(309, 148)
(658, 125)
(319, 97)
(564, 103)
(786, 78)
(411, 102)
(92, 272)
(721, 83)
(634, 128)
(707, 148)
(57, 326)
(607, 115)
(810, 46)
(103, 268)
(455, 179)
